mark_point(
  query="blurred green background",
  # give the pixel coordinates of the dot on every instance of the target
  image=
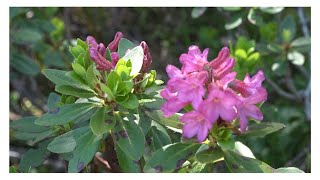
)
(276, 40)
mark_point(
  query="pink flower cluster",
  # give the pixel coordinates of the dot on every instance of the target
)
(98, 53)
(213, 92)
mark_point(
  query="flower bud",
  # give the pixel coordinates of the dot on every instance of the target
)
(113, 46)
(147, 59)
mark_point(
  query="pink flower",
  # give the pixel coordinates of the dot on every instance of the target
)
(249, 85)
(194, 60)
(98, 53)
(174, 72)
(219, 104)
(195, 124)
(248, 109)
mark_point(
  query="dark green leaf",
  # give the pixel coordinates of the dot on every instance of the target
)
(170, 157)
(26, 35)
(144, 121)
(209, 155)
(301, 41)
(131, 103)
(126, 164)
(241, 164)
(68, 141)
(262, 129)
(101, 122)
(87, 146)
(64, 78)
(64, 114)
(24, 64)
(288, 28)
(12, 169)
(123, 46)
(72, 91)
(34, 157)
(236, 147)
(172, 121)
(159, 136)
(130, 138)
(53, 101)
(26, 124)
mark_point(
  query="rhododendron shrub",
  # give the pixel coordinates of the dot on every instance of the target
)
(112, 114)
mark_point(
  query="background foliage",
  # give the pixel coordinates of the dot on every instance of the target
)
(276, 40)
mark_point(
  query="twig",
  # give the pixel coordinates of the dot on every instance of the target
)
(307, 92)
(280, 91)
(103, 161)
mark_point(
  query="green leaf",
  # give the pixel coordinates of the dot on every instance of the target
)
(144, 121)
(197, 11)
(159, 136)
(301, 41)
(62, 144)
(72, 91)
(123, 68)
(87, 146)
(237, 147)
(108, 91)
(126, 164)
(170, 157)
(131, 103)
(26, 124)
(130, 138)
(64, 114)
(101, 122)
(113, 81)
(209, 155)
(288, 28)
(64, 78)
(24, 64)
(124, 88)
(136, 57)
(67, 142)
(26, 36)
(124, 45)
(241, 164)
(79, 69)
(76, 51)
(271, 10)
(81, 43)
(172, 121)
(288, 170)
(53, 101)
(33, 136)
(34, 157)
(91, 76)
(233, 23)
(262, 129)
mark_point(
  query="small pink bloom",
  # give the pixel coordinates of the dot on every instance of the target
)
(113, 46)
(224, 68)
(114, 59)
(98, 54)
(194, 60)
(249, 85)
(223, 56)
(219, 103)
(195, 124)
(248, 109)
(174, 72)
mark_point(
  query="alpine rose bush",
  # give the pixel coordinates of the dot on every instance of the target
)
(212, 91)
